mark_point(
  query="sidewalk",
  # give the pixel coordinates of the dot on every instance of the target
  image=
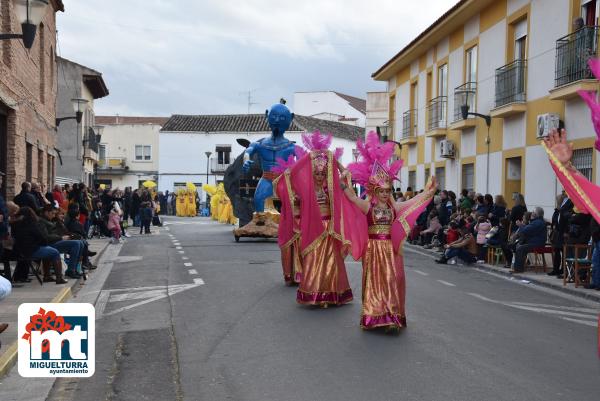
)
(34, 292)
(541, 278)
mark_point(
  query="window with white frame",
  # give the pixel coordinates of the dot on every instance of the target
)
(443, 80)
(412, 180)
(589, 11)
(143, 152)
(583, 161)
(223, 154)
(471, 65)
(440, 176)
(102, 154)
(468, 176)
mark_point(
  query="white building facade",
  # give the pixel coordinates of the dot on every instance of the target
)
(377, 111)
(515, 60)
(331, 106)
(185, 140)
(128, 150)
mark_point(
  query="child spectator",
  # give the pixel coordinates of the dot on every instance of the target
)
(145, 217)
(114, 224)
(482, 228)
(452, 234)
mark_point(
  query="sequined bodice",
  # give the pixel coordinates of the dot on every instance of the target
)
(323, 201)
(380, 219)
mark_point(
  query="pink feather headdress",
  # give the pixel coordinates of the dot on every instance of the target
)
(590, 98)
(318, 145)
(373, 169)
(283, 164)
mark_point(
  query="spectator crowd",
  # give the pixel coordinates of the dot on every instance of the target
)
(471, 227)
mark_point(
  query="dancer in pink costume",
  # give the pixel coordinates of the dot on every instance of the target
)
(327, 222)
(289, 230)
(389, 222)
(584, 194)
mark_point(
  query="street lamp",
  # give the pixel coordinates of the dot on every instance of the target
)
(98, 130)
(29, 14)
(464, 110)
(78, 106)
(207, 162)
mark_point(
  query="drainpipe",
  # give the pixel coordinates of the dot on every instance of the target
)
(487, 170)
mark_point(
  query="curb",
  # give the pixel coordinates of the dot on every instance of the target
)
(9, 358)
(490, 268)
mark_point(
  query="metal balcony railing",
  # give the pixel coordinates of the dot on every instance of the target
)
(465, 94)
(510, 83)
(409, 124)
(572, 54)
(112, 163)
(437, 112)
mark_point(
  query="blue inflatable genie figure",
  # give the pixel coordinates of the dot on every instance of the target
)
(268, 150)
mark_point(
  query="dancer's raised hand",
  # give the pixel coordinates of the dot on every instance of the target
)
(558, 145)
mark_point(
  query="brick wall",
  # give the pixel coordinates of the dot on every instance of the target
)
(28, 88)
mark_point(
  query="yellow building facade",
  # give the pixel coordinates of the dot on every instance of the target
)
(519, 62)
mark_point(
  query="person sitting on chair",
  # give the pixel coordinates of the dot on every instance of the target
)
(532, 235)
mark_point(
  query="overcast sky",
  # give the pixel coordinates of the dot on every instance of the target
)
(163, 57)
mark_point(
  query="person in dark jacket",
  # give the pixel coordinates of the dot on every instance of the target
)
(532, 235)
(127, 204)
(60, 241)
(517, 212)
(135, 207)
(442, 209)
(595, 232)
(560, 225)
(26, 199)
(145, 217)
(32, 242)
(498, 210)
(76, 231)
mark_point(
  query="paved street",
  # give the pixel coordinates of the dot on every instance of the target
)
(189, 314)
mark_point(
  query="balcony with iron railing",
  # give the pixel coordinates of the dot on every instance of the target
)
(464, 94)
(409, 127)
(572, 72)
(113, 164)
(437, 116)
(510, 94)
(218, 166)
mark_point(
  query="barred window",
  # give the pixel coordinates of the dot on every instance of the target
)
(583, 161)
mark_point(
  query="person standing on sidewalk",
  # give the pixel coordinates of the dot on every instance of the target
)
(595, 284)
(5, 290)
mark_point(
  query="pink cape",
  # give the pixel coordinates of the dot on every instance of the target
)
(349, 224)
(584, 194)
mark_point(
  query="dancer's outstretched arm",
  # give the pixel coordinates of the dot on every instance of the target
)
(362, 204)
(584, 194)
(424, 196)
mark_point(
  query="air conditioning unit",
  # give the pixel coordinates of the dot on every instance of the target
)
(546, 123)
(447, 149)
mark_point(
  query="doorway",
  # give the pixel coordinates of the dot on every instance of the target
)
(512, 179)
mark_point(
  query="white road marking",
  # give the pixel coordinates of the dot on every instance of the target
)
(592, 316)
(446, 283)
(178, 247)
(593, 324)
(181, 252)
(420, 272)
(184, 258)
(571, 308)
(419, 252)
(188, 264)
(192, 271)
(147, 294)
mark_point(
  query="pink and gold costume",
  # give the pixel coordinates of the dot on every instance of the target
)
(291, 261)
(384, 283)
(327, 219)
(584, 194)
